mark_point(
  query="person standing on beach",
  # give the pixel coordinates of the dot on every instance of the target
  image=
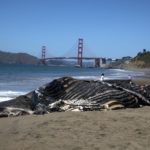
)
(130, 79)
(102, 77)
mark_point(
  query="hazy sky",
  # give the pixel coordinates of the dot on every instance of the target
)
(110, 28)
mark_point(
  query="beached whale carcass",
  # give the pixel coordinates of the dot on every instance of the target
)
(69, 94)
(95, 94)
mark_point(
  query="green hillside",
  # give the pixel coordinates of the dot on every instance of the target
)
(17, 58)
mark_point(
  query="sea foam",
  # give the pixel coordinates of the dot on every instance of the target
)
(8, 95)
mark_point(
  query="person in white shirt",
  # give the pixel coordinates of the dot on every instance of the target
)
(102, 77)
(130, 79)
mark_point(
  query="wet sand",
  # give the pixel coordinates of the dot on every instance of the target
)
(127, 129)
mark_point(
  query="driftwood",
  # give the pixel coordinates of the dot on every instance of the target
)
(69, 94)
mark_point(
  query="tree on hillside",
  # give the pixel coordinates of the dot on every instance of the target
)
(144, 50)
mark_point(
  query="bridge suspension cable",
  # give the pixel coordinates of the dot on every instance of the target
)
(71, 52)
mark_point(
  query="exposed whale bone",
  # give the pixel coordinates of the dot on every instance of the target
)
(63, 105)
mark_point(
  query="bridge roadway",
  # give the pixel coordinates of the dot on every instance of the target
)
(85, 58)
(98, 60)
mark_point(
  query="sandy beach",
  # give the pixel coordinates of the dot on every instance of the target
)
(120, 129)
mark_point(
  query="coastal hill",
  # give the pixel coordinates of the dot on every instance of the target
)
(24, 58)
(142, 60)
(17, 58)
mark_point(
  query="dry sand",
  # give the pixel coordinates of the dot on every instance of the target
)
(127, 129)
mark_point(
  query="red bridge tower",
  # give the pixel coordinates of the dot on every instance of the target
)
(80, 52)
(43, 54)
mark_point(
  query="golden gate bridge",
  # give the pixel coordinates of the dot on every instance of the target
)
(98, 61)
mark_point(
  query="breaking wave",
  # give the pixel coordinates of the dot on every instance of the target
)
(8, 95)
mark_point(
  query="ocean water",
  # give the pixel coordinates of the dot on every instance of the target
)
(17, 80)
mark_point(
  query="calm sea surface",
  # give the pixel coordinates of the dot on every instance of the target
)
(20, 79)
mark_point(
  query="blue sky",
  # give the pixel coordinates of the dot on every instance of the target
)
(110, 28)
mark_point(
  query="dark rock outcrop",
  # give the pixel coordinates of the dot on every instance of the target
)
(69, 94)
